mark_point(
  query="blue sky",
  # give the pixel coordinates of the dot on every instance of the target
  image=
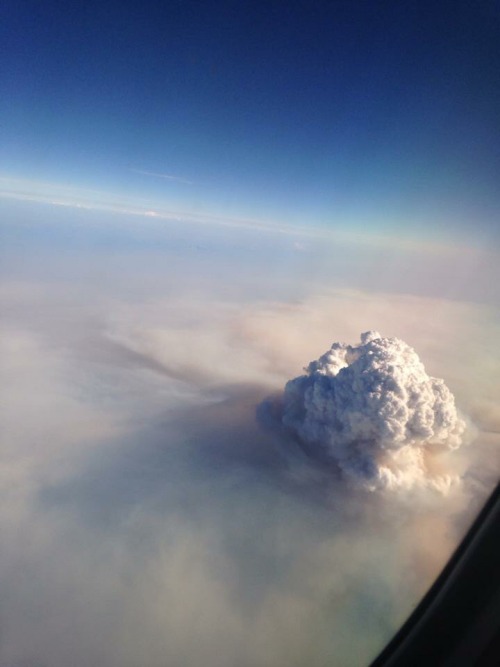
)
(380, 116)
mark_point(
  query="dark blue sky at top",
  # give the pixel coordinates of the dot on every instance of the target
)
(372, 114)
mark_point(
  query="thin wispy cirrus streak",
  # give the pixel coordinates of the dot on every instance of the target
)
(167, 177)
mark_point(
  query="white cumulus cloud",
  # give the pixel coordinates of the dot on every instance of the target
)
(372, 410)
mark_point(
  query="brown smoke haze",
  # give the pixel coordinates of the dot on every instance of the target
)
(149, 518)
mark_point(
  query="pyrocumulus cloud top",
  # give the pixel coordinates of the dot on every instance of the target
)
(373, 410)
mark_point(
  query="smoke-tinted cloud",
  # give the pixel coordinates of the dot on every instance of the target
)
(145, 516)
(372, 409)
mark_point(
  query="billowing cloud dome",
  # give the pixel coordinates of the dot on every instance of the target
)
(373, 410)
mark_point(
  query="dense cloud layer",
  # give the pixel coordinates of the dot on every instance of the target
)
(373, 410)
(147, 519)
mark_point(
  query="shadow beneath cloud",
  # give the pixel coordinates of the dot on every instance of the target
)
(197, 462)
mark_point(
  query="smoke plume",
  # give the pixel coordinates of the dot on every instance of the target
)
(372, 410)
